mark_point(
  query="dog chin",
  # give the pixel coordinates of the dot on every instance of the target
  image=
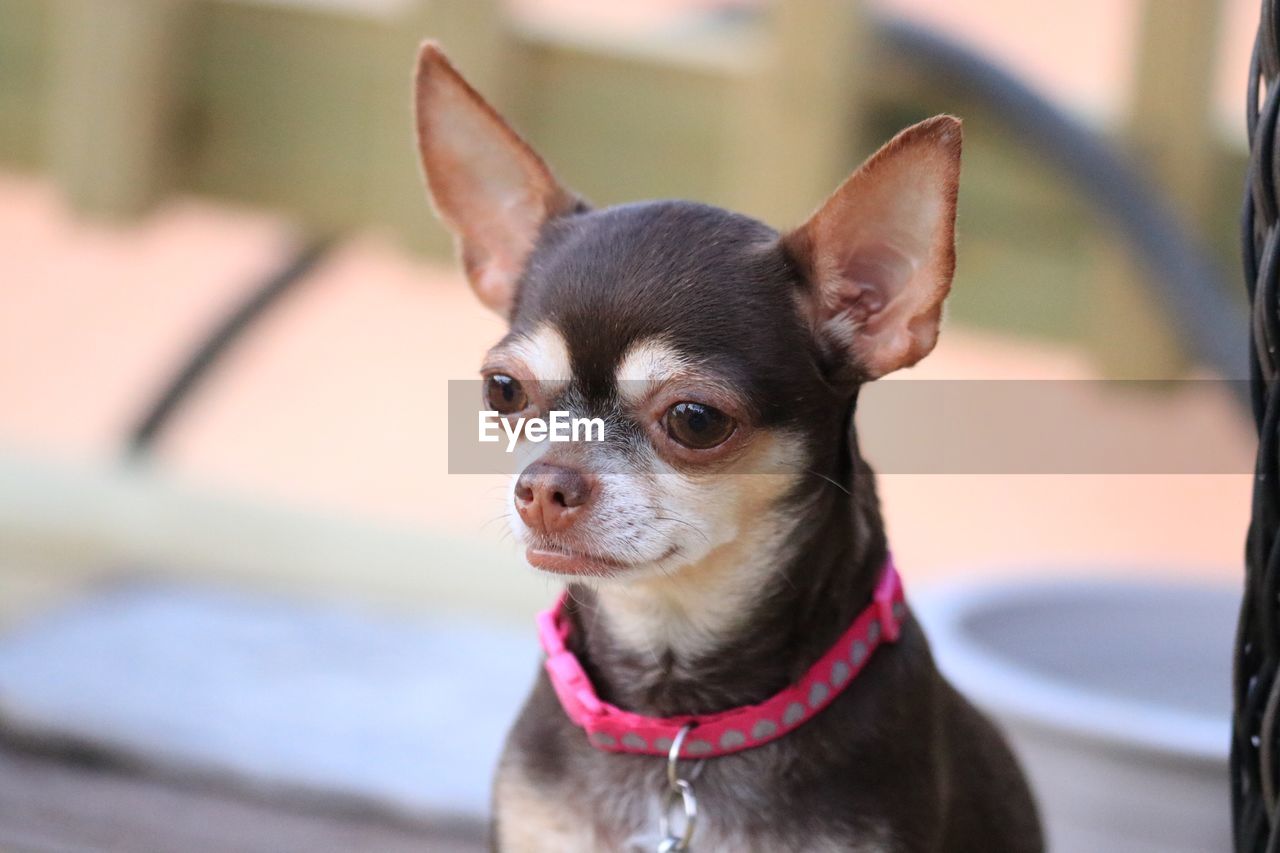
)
(587, 567)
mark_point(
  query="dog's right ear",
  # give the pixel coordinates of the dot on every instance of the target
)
(490, 188)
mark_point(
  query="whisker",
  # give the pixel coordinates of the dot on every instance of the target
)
(498, 519)
(829, 480)
(695, 528)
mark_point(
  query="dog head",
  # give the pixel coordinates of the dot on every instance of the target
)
(722, 357)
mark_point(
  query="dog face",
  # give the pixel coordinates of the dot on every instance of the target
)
(723, 357)
(712, 405)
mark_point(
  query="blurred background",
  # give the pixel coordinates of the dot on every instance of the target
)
(228, 319)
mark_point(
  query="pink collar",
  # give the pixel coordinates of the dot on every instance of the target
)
(614, 730)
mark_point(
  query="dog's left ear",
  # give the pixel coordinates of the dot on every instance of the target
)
(491, 189)
(878, 256)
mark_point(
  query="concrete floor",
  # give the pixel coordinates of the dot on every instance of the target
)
(58, 804)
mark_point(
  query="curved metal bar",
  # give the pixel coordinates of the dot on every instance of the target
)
(1208, 319)
(220, 340)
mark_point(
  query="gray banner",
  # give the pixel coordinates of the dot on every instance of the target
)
(1192, 426)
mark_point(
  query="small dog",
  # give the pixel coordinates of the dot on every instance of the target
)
(726, 534)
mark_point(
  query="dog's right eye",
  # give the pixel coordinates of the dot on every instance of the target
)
(697, 426)
(504, 394)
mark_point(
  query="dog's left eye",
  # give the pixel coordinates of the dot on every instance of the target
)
(698, 426)
(504, 394)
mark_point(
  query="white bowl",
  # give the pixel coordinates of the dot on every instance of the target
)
(1115, 694)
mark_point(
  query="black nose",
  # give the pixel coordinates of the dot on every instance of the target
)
(549, 498)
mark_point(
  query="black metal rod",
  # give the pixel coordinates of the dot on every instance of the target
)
(1255, 679)
(223, 336)
(1208, 318)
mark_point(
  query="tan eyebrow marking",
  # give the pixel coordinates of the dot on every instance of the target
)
(544, 354)
(646, 365)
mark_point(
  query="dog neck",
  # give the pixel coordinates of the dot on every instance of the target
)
(743, 623)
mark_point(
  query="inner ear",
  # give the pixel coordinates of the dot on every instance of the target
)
(878, 256)
(876, 276)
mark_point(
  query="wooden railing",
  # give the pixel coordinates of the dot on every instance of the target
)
(303, 106)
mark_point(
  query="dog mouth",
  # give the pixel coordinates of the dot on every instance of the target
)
(560, 560)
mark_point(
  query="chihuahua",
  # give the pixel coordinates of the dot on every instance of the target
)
(726, 532)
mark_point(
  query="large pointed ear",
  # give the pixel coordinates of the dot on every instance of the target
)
(879, 254)
(490, 188)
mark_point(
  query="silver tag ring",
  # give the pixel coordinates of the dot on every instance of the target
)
(681, 795)
(673, 757)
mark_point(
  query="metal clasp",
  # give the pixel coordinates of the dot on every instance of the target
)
(679, 796)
